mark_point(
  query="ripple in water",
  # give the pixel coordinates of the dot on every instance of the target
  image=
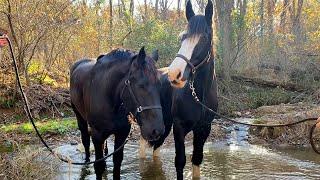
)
(230, 159)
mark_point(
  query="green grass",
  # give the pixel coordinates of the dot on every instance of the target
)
(55, 126)
(265, 97)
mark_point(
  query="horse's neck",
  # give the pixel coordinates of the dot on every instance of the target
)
(203, 78)
(116, 85)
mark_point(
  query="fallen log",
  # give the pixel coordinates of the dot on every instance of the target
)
(266, 83)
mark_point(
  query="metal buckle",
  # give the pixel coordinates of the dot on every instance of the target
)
(127, 82)
(193, 70)
(139, 109)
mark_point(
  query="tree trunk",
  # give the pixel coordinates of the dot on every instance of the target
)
(145, 10)
(224, 9)
(296, 25)
(110, 25)
(131, 7)
(262, 19)
(283, 16)
(156, 7)
(179, 8)
(270, 19)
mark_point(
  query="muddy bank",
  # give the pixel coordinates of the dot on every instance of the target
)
(284, 113)
(297, 135)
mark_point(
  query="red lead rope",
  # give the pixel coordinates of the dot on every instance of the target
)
(3, 42)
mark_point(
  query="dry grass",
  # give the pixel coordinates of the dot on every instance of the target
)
(28, 164)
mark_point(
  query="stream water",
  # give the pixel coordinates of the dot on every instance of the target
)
(233, 158)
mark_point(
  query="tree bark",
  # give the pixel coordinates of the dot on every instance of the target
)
(224, 9)
(179, 8)
(156, 7)
(131, 7)
(296, 25)
(110, 25)
(262, 19)
(145, 10)
(270, 19)
(283, 16)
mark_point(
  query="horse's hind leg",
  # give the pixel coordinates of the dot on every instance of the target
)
(98, 141)
(85, 136)
(200, 135)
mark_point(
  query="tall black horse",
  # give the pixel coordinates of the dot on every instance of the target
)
(103, 92)
(193, 65)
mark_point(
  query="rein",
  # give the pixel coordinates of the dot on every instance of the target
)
(197, 100)
(28, 112)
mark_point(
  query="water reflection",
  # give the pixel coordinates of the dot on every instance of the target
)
(151, 169)
(85, 172)
(233, 158)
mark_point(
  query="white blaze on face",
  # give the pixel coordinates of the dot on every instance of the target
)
(179, 65)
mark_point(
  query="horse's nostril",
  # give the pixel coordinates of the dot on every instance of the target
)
(179, 75)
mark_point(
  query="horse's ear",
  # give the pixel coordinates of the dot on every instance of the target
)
(155, 55)
(209, 12)
(189, 10)
(141, 57)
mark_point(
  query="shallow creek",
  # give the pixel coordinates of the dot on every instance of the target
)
(233, 158)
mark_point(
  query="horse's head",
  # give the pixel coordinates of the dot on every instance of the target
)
(144, 96)
(195, 46)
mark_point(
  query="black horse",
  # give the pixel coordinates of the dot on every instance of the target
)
(103, 92)
(193, 65)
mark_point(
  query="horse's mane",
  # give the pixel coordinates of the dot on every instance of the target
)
(121, 54)
(117, 54)
(198, 25)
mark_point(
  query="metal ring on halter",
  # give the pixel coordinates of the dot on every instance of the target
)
(193, 70)
(127, 82)
(139, 109)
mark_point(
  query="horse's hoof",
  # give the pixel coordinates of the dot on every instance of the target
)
(195, 172)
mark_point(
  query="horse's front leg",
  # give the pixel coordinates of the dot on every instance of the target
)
(118, 156)
(99, 167)
(200, 135)
(180, 159)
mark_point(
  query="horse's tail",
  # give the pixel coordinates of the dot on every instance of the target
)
(76, 64)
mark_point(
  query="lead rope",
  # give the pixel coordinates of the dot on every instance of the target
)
(197, 100)
(28, 112)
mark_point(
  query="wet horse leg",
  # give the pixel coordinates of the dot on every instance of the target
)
(98, 141)
(200, 135)
(118, 156)
(180, 159)
(142, 148)
(106, 148)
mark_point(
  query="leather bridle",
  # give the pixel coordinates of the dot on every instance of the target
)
(192, 66)
(140, 108)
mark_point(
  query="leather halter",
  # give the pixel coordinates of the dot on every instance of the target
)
(193, 67)
(139, 108)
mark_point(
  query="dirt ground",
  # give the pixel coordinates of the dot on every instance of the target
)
(283, 113)
(297, 135)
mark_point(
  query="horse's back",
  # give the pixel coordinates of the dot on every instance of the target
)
(79, 76)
